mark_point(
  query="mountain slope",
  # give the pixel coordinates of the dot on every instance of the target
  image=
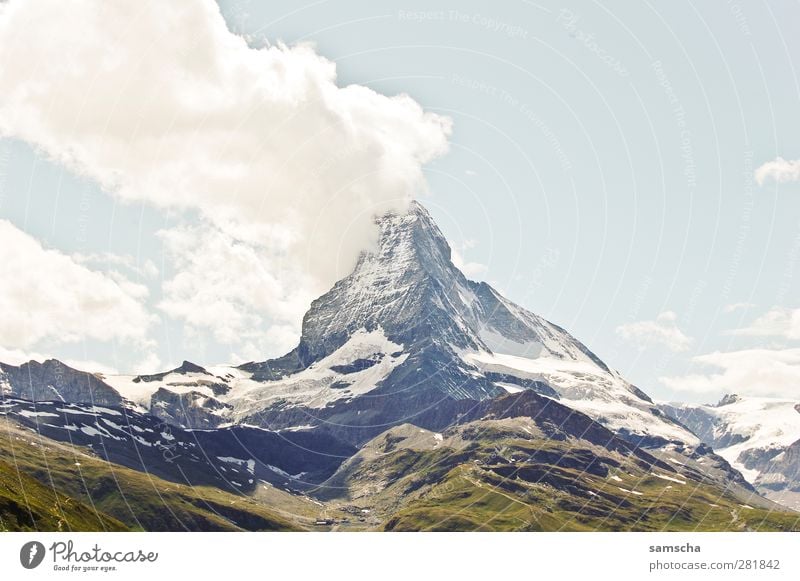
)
(28, 505)
(515, 471)
(518, 462)
(235, 458)
(52, 380)
(405, 338)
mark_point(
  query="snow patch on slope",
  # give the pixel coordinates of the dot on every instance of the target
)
(140, 391)
(497, 343)
(582, 385)
(320, 384)
(766, 422)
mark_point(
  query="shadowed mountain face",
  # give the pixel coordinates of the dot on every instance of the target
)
(232, 458)
(518, 462)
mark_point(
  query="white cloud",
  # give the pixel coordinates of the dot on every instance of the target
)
(225, 286)
(780, 170)
(760, 372)
(19, 356)
(733, 307)
(472, 270)
(161, 103)
(662, 331)
(145, 268)
(46, 295)
(149, 363)
(777, 322)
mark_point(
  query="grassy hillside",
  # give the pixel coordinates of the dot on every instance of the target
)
(471, 498)
(140, 501)
(27, 505)
(502, 476)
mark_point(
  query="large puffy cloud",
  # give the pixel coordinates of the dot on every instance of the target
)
(46, 295)
(662, 331)
(779, 169)
(159, 101)
(760, 372)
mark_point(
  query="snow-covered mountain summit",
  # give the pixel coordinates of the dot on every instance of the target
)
(409, 287)
(406, 332)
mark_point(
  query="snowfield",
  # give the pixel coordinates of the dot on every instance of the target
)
(319, 385)
(315, 387)
(584, 386)
(140, 392)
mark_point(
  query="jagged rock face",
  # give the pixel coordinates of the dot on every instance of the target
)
(183, 369)
(193, 375)
(55, 381)
(777, 472)
(779, 469)
(185, 395)
(408, 287)
(728, 399)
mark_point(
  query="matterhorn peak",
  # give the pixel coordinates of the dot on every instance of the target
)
(406, 334)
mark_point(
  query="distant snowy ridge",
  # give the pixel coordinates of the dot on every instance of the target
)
(759, 436)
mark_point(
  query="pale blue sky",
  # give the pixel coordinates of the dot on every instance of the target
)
(600, 170)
